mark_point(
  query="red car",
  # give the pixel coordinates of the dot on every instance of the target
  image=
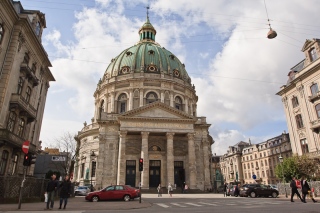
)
(116, 192)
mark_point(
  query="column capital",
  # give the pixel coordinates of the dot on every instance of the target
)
(123, 134)
(170, 135)
(190, 136)
(145, 134)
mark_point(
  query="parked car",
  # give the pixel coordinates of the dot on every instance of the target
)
(258, 190)
(274, 186)
(230, 190)
(117, 192)
(82, 190)
(220, 189)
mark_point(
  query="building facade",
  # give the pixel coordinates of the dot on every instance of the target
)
(245, 160)
(24, 82)
(145, 107)
(301, 100)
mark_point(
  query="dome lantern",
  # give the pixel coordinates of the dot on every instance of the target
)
(147, 31)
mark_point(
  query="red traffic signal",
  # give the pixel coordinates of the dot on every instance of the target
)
(29, 159)
(141, 164)
(26, 160)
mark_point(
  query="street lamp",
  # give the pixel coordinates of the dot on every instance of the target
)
(281, 161)
(93, 155)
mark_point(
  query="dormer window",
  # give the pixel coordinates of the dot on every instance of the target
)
(129, 53)
(38, 28)
(313, 55)
(1, 32)
(151, 52)
(172, 57)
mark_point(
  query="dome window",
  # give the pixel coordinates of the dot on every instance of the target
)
(176, 73)
(172, 57)
(122, 103)
(151, 52)
(125, 70)
(152, 68)
(112, 60)
(151, 97)
(129, 53)
(178, 103)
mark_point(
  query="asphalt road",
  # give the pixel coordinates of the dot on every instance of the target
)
(185, 203)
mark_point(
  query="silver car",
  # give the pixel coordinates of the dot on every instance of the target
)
(82, 190)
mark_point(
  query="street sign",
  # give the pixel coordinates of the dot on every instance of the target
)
(25, 147)
(254, 177)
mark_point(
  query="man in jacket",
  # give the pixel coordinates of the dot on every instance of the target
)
(294, 189)
(305, 190)
(65, 191)
(50, 191)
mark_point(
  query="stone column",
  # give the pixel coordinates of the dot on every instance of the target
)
(186, 105)
(162, 96)
(171, 100)
(192, 161)
(112, 102)
(145, 156)
(206, 159)
(121, 178)
(130, 104)
(141, 97)
(191, 108)
(170, 159)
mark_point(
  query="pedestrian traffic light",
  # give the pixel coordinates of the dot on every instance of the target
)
(26, 160)
(141, 164)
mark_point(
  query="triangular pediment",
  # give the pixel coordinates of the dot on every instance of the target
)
(156, 110)
(308, 43)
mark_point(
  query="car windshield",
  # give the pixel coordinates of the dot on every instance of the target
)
(82, 187)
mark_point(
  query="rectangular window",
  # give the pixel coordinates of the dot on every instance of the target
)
(314, 89)
(295, 102)
(299, 121)
(122, 107)
(82, 170)
(304, 146)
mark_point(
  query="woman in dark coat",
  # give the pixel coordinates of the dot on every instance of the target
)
(305, 190)
(65, 191)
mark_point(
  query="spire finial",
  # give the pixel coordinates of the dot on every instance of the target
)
(148, 8)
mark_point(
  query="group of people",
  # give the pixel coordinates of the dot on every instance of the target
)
(305, 189)
(236, 190)
(184, 189)
(65, 191)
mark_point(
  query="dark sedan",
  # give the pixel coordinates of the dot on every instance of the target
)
(258, 190)
(117, 192)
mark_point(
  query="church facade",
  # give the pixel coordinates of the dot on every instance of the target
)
(145, 107)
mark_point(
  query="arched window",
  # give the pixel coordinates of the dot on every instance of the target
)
(122, 103)
(151, 97)
(11, 121)
(101, 108)
(1, 33)
(21, 127)
(178, 103)
(28, 94)
(4, 162)
(318, 110)
(20, 85)
(314, 89)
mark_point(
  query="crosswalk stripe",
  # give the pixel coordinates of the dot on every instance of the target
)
(162, 205)
(177, 204)
(193, 204)
(211, 204)
(231, 204)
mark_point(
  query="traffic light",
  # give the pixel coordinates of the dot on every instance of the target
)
(26, 160)
(141, 164)
(29, 159)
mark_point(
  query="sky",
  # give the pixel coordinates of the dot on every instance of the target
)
(235, 68)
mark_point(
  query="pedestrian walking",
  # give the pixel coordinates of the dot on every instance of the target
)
(186, 187)
(294, 189)
(237, 190)
(159, 191)
(170, 189)
(50, 191)
(65, 191)
(225, 187)
(306, 190)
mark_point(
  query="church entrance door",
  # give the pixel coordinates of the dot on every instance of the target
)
(179, 175)
(131, 173)
(154, 173)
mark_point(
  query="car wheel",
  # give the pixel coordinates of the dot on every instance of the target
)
(126, 198)
(274, 194)
(253, 194)
(95, 199)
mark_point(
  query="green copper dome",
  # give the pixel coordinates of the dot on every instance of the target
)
(147, 56)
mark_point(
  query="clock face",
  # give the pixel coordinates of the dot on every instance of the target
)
(125, 70)
(176, 73)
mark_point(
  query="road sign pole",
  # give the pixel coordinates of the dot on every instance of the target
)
(140, 189)
(21, 187)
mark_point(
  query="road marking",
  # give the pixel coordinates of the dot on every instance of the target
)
(162, 205)
(231, 204)
(177, 204)
(193, 204)
(211, 204)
